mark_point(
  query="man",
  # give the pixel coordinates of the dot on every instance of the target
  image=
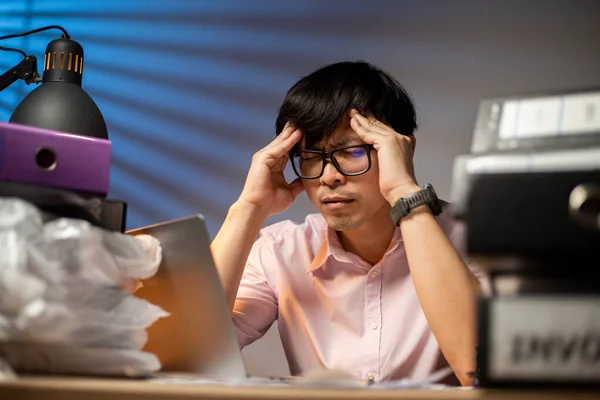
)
(351, 290)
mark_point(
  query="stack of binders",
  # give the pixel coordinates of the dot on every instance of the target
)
(529, 197)
(64, 175)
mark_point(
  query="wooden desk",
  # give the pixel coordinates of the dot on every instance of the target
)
(63, 388)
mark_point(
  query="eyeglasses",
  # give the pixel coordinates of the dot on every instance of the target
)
(349, 161)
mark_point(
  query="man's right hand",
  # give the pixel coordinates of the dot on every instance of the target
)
(266, 187)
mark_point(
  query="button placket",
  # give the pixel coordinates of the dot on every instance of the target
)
(372, 333)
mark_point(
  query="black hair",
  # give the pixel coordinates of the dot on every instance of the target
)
(317, 102)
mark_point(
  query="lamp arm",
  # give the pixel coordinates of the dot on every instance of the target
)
(26, 70)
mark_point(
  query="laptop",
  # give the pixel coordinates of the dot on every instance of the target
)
(198, 337)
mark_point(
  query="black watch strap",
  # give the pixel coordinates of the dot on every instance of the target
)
(405, 205)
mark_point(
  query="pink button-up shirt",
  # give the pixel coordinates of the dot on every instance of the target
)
(334, 310)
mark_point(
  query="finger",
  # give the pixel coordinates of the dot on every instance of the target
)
(281, 138)
(277, 150)
(287, 131)
(281, 163)
(354, 112)
(373, 124)
(364, 133)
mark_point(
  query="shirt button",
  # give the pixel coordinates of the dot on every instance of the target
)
(374, 274)
(371, 376)
(373, 325)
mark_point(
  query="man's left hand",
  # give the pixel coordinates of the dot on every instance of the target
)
(394, 156)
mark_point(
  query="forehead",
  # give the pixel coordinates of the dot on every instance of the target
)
(342, 136)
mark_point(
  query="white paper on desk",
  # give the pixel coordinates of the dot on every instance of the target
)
(318, 380)
(429, 383)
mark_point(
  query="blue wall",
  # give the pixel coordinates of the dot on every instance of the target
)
(183, 89)
(190, 89)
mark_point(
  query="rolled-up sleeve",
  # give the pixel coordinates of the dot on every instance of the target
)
(255, 307)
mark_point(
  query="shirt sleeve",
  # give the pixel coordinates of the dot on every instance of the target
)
(255, 307)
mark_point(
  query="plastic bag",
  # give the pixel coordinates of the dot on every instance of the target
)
(65, 289)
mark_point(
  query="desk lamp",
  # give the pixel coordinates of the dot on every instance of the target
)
(55, 150)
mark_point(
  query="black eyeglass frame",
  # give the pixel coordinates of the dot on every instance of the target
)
(325, 155)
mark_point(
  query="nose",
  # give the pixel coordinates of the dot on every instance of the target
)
(331, 176)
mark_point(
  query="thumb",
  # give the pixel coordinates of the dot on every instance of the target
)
(296, 187)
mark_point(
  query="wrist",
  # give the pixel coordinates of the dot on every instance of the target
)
(415, 213)
(408, 200)
(401, 192)
(247, 210)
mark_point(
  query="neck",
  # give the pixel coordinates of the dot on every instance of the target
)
(371, 240)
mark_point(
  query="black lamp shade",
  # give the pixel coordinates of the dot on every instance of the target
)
(63, 107)
(60, 103)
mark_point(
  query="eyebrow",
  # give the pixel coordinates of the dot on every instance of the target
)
(345, 141)
(342, 142)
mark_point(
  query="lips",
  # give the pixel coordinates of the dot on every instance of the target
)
(336, 202)
(336, 199)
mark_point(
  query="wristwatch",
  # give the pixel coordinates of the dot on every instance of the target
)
(406, 204)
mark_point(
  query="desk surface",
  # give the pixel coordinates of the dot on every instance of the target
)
(65, 388)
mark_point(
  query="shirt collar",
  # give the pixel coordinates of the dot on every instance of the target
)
(331, 247)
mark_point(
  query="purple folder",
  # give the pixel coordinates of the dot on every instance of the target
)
(45, 157)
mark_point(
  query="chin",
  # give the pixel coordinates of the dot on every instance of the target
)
(343, 223)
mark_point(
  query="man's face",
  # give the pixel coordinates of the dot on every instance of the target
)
(346, 202)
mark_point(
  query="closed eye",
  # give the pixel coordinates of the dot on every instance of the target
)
(355, 152)
(309, 156)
